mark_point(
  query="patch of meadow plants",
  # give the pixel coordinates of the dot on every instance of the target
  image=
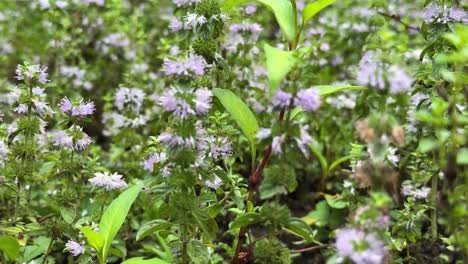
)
(233, 131)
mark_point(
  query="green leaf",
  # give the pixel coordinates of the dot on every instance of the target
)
(319, 216)
(301, 228)
(335, 201)
(9, 245)
(197, 252)
(240, 112)
(462, 156)
(228, 4)
(427, 144)
(94, 239)
(320, 157)
(39, 247)
(205, 222)
(141, 260)
(339, 161)
(151, 227)
(325, 90)
(245, 220)
(68, 214)
(285, 16)
(279, 64)
(313, 8)
(114, 216)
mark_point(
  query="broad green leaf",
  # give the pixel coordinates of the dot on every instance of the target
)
(320, 157)
(427, 144)
(313, 8)
(285, 16)
(9, 245)
(94, 239)
(141, 260)
(39, 247)
(114, 216)
(167, 254)
(301, 228)
(197, 252)
(240, 112)
(68, 214)
(245, 220)
(335, 201)
(151, 227)
(319, 216)
(325, 90)
(279, 64)
(462, 156)
(205, 222)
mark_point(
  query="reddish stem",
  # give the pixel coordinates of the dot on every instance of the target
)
(255, 179)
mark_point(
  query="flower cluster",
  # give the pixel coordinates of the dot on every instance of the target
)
(307, 99)
(191, 65)
(184, 104)
(81, 110)
(359, 246)
(108, 181)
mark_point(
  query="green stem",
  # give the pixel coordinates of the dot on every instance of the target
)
(434, 206)
(49, 249)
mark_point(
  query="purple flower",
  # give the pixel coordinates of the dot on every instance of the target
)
(148, 164)
(84, 109)
(65, 105)
(358, 246)
(399, 80)
(38, 91)
(281, 99)
(276, 144)
(193, 64)
(62, 139)
(175, 24)
(411, 190)
(32, 73)
(108, 181)
(131, 97)
(219, 147)
(75, 248)
(308, 99)
(203, 101)
(370, 70)
(250, 9)
(214, 184)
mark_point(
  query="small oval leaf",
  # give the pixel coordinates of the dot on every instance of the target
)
(245, 220)
(151, 227)
(313, 8)
(279, 64)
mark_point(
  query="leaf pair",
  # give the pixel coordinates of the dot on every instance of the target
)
(111, 221)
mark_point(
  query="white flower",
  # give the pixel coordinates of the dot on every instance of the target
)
(109, 182)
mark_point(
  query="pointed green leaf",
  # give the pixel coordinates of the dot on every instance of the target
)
(197, 252)
(151, 227)
(114, 216)
(284, 13)
(313, 8)
(228, 4)
(301, 228)
(245, 220)
(9, 245)
(279, 64)
(239, 111)
(205, 222)
(68, 214)
(141, 260)
(95, 240)
(325, 90)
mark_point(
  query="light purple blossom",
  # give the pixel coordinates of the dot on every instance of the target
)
(281, 99)
(370, 70)
(250, 9)
(408, 189)
(202, 101)
(276, 144)
(308, 99)
(399, 80)
(131, 97)
(65, 105)
(263, 133)
(359, 246)
(75, 248)
(153, 159)
(38, 91)
(219, 147)
(32, 73)
(170, 139)
(62, 139)
(192, 65)
(214, 184)
(108, 181)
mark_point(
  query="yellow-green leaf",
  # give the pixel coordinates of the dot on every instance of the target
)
(313, 8)
(240, 112)
(284, 13)
(279, 64)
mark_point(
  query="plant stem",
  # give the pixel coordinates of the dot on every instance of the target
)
(434, 206)
(255, 178)
(49, 249)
